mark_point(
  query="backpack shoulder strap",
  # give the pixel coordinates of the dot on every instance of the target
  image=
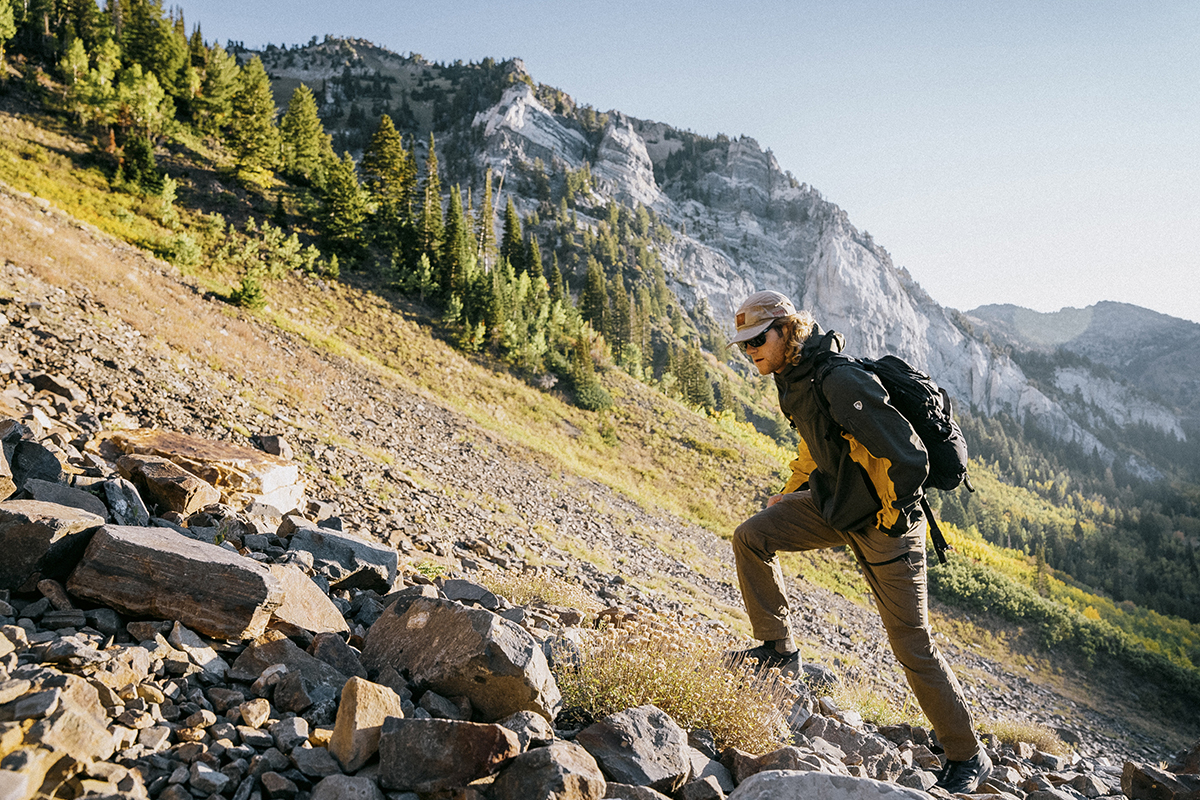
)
(826, 362)
(940, 545)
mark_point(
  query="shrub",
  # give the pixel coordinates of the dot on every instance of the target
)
(250, 294)
(681, 671)
(183, 251)
(139, 165)
(591, 396)
(876, 706)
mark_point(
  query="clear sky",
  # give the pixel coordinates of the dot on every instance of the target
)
(1033, 152)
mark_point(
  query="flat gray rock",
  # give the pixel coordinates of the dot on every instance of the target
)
(786, 785)
(64, 495)
(349, 562)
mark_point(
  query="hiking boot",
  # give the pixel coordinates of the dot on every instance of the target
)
(767, 657)
(964, 777)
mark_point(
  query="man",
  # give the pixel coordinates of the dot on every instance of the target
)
(858, 482)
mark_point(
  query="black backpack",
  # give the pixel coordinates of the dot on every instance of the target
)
(928, 409)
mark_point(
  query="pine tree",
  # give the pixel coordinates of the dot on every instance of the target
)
(218, 85)
(74, 69)
(498, 306)
(512, 245)
(249, 293)
(344, 208)
(556, 280)
(98, 91)
(142, 103)
(593, 303)
(304, 143)
(149, 38)
(8, 25)
(456, 249)
(589, 394)
(485, 225)
(533, 259)
(622, 320)
(698, 388)
(390, 175)
(728, 401)
(197, 52)
(252, 133)
(81, 19)
(430, 231)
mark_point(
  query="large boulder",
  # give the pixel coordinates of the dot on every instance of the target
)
(1188, 761)
(641, 746)
(1147, 782)
(363, 708)
(433, 755)
(455, 650)
(785, 784)
(561, 771)
(348, 562)
(41, 540)
(241, 474)
(156, 572)
(166, 484)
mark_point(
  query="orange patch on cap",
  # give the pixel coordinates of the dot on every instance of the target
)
(741, 319)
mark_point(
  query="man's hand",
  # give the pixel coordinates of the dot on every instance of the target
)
(775, 498)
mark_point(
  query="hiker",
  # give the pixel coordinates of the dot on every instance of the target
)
(866, 453)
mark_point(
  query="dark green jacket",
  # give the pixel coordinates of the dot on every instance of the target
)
(868, 469)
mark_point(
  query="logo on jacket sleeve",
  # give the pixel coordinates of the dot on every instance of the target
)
(858, 405)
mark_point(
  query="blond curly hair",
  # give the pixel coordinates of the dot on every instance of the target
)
(795, 330)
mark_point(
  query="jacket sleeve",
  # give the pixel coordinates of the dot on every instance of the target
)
(802, 466)
(894, 457)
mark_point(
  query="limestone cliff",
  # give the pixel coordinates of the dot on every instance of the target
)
(746, 224)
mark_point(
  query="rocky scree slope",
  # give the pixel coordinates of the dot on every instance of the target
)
(101, 695)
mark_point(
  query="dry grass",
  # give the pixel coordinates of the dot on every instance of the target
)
(680, 670)
(881, 705)
(523, 588)
(1012, 731)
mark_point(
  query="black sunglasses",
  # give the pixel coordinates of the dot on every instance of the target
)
(757, 341)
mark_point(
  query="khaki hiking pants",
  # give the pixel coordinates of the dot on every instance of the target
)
(895, 570)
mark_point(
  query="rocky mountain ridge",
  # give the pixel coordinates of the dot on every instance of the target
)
(745, 224)
(179, 726)
(1157, 353)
